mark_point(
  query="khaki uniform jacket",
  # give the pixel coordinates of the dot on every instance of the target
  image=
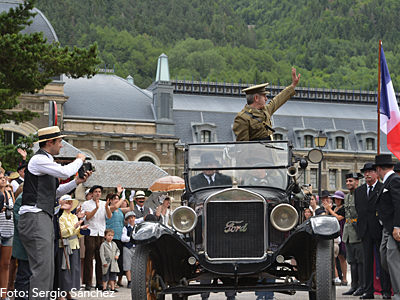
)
(247, 128)
(349, 232)
(107, 256)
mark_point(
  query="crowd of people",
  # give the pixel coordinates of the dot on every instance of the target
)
(368, 229)
(51, 249)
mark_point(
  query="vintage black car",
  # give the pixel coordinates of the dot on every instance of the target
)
(240, 228)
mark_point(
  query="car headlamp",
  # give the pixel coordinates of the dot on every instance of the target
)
(183, 219)
(284, 217)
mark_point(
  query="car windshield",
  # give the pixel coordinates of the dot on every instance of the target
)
(260, 164)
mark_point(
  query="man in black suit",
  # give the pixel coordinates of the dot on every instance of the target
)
(209, 177)
(388, 207)
(369, 230)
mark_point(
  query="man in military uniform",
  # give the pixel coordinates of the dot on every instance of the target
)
(254, 121)
(353, 243)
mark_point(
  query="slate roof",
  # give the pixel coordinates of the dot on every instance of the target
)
(221, 111)
(130, 174)
(106, 97)
(40, 22)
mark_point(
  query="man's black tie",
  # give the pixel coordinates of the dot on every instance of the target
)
(211, 180)
(370, 187)
(141, 209)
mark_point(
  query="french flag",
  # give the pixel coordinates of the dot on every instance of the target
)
(390, 115)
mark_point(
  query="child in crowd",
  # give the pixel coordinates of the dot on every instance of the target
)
(109, 254)
(129, 247)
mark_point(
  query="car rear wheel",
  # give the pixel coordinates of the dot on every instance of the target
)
(146, 274)
(325, 271)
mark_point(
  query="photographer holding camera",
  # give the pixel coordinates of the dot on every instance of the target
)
(41, 188)
(6, 233)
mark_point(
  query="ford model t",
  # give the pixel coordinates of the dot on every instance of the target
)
(240, 228)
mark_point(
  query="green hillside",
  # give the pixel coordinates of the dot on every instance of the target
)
(332, 43)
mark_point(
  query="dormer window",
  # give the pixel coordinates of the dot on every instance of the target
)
(308, 141)
(339, 142)
(206, 136)
(370, 144)
(278, 137)
(204, 132)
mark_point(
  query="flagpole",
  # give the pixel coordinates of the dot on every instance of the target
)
(379, 99)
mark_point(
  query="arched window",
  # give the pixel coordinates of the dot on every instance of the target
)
(147, 158)
(11, 137)
(115, 157)
(206, 136)
(339, 142)
(370, 144)
(278, 137)
(308, 141)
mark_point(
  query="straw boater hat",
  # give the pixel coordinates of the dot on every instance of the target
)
(140, 194)
(14, 175)
(49, 133)
(75, 202)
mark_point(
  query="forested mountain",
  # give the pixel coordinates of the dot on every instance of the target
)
(331, 42)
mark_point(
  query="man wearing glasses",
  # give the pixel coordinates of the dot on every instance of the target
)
(254, 121)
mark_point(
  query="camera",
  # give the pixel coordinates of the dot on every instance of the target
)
(87, 166)
(8, 212)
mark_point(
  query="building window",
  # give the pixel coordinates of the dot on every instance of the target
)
(332, 179)
(206, 136)
(340, 142)
(11, 137)
(308, 141)
(370, 144)
(115, 157)
(313, 178)
(344, 172)
(278, 137)
(147, 158)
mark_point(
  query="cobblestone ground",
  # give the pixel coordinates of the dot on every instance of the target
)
(124, 293)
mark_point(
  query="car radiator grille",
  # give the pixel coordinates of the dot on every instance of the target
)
(235, 230)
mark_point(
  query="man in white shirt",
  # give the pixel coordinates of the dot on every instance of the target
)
(96, 212)
(140, 210)
(41, 188)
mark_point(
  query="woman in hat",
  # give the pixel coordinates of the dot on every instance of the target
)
(68, 252)
(6, 235)
(163, 212)
(339, 213)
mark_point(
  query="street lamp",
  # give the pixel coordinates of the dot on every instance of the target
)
(320, 142)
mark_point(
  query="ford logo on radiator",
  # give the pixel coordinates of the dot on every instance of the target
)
(235, 226)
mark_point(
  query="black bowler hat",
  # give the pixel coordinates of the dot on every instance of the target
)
(383, 160)
(95, 187)
(325, 193)
(397, 167)
(208, 158)
(21, 166)
(354, 175)
(368, 166)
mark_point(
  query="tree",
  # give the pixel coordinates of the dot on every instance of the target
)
(10, 151)
(28, 61)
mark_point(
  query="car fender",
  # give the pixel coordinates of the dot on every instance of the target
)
(325, 227)
(150, 232)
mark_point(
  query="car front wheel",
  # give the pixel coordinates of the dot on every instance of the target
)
(146, 274)
(325, 271)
